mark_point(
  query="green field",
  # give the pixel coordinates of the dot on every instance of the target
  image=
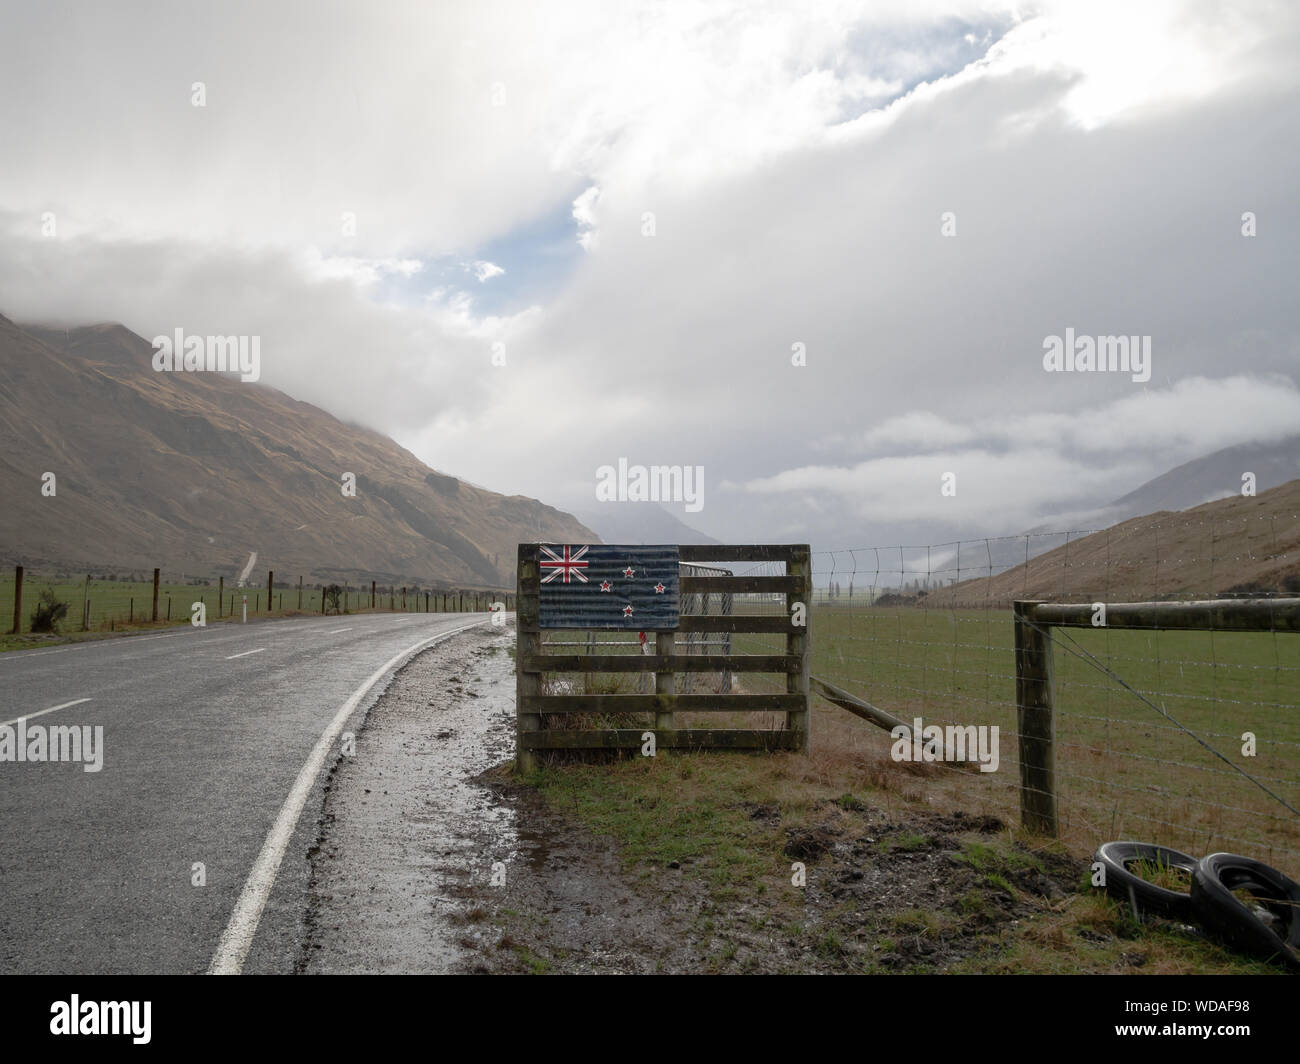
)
(1123, 770)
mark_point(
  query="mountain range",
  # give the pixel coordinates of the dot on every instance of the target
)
(197, 472)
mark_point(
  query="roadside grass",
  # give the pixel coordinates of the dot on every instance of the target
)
(726, 820)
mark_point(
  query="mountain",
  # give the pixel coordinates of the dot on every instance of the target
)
(1214, 476)
(1230, 546)
(640, 522)
(194, 472)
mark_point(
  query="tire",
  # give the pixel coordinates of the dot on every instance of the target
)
(1238, 925)
(1115, 857)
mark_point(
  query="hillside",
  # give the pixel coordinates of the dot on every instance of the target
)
(1214, 476)
(195, 471)
(1227, 546)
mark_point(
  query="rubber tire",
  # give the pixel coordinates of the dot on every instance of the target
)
(1225, 917)
(1161, 901)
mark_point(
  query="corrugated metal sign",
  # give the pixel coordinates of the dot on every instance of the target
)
(608, 586)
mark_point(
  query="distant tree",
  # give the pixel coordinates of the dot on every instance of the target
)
(48, 613)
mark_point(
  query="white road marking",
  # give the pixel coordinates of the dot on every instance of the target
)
(245, 653)
(33, 716)
(336, 631)
(238, 935)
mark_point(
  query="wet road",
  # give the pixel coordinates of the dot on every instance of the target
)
(205, 733)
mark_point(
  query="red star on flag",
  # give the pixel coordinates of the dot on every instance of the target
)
(627, 611)
(659, 589)
(629, 572)
(605, 585)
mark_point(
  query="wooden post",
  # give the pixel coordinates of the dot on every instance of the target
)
(169, 606)
(664, 685)
(1035, 722)
(18, 600)
(300, 592)
(527, 642)
(155, 596)
(372, 594)
(322, 598)
(130, 617)
(798, 641)
(426, 602)
(221, 594)
(270, 583)
(403, 598)
(85, 606)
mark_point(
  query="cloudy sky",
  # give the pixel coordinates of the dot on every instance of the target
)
(650, 205)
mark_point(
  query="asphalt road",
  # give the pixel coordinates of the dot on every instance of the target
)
(205, 732)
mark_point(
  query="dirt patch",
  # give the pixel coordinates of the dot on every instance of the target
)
(879, 895)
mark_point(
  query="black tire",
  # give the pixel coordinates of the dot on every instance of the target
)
(1115, 857)
(1238, 925)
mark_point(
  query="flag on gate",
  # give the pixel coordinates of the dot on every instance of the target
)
(608, 586)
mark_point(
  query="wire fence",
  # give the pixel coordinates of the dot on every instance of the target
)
(1190, 739)
(117, 601)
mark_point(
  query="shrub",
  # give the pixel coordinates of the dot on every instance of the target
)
(48, 613)
(334, 598)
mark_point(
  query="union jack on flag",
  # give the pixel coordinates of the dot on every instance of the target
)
(553, 565)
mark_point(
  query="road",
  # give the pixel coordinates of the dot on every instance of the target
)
(205, 735)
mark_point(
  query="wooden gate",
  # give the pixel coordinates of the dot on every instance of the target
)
(666, 659)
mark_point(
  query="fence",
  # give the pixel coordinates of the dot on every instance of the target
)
(929, 632)
(105, 602)
(542, 702)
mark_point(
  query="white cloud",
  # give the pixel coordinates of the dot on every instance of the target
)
(485, 271)
(1097, 160)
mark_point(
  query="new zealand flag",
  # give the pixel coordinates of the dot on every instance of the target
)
(607, 586)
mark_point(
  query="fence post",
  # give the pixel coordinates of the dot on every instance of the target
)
(130, 616)
(527, 682)
(155, 596)
(797, 641)
(85, 606)
(270, 583)
(664, 685)
(221, 593)
(403, 598)
(1035, 722)
(372, 594)
(18, 600)
(426, 602)
(300, 592)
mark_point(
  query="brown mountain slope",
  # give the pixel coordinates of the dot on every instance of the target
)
(1230, 545)
(195, 471)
